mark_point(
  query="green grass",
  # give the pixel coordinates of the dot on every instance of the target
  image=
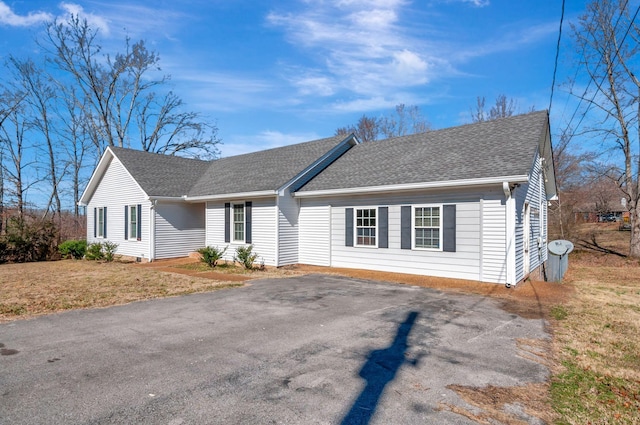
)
(558, 312)
(582, 396)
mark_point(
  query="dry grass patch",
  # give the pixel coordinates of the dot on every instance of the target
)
(597, 342)
(31, 289)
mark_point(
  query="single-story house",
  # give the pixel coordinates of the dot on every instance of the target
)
(467, 202)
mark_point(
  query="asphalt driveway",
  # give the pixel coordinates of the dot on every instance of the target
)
(315, 349)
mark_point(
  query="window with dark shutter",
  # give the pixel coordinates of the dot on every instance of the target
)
(383, 227)
(247, 220)
(405, 227)
(227, 222)
(139, 224)
(348, 233)
(126, 222)
(449, 228)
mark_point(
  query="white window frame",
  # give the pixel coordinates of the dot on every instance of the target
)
(233, 221)
(413, 227)
(133, 223)
(100, 223)
(355, 227)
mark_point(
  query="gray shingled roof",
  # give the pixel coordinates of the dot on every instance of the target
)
(265, 170)
(503, 147)
(161, 175)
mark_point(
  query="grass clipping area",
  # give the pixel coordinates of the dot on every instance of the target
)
(32, 289)
(597, 342)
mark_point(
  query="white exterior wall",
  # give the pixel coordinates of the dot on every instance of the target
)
(315, 233)
(329, 213)
(494, 238)
(179, 229)
(117, 189)
(534, 194)
(288, 211)
(263, 234)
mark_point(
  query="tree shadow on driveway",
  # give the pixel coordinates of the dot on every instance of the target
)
(380, 369)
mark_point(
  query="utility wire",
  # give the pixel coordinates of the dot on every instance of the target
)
(555, 66)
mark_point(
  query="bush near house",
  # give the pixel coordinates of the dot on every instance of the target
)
(211, 255)
(28, 240)
(73, 249)
(245, 256)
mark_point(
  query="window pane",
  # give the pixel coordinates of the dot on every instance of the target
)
(238, 222)
(366, 226)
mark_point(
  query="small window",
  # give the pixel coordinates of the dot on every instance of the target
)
(133, 222)
(101, 223)
(238, 222)
(366, 227)
(427, 225)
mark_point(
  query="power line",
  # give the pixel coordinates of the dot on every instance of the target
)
(555, 66)
(615, 55)
(586, 90)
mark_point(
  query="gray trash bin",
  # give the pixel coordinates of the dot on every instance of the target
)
(558, 261)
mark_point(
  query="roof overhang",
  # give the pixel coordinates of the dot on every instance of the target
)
(240, 195)
(405, 187)
(548, 165)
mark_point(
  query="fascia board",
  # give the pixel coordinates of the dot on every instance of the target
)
(238, 195)
(414, 186)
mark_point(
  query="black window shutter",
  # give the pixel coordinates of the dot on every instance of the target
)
(383, 227)
(449, 228)
(104, 231)
(139, 222)
(95, 222)
(405, 227)
(227, 222)
(348, 222)
(247, 222)
(126, 222)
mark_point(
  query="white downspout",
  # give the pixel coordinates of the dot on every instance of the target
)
(152, 230)
(510, 234)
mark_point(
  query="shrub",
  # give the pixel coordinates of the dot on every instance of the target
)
(28, 240)
(245, 256)
(73, 249)
(211, 255)
(108, 250)
(94, 251)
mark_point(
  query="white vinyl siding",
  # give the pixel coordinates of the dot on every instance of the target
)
(315, 233)
(287, 229)
(533, 194)
(179, 229)
(462, 264)
(494, 239)
(263, 235)
(117, 189)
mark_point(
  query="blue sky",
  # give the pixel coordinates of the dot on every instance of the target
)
(279, 72)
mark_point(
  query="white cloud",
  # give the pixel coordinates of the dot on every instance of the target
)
(361, 46)
(94, 21)
(10, 18)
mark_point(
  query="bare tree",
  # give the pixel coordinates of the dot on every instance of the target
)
(39, 102)
(121, 91)
(404, 120)
(613, 104)
(366, 130)
(502, 108)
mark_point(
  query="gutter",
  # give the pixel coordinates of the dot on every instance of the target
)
(414, 186)
(239, 195)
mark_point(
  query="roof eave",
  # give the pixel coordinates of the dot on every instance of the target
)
(237, 195)
(414, 186)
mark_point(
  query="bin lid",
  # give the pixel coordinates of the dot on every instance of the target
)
(560, 247)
